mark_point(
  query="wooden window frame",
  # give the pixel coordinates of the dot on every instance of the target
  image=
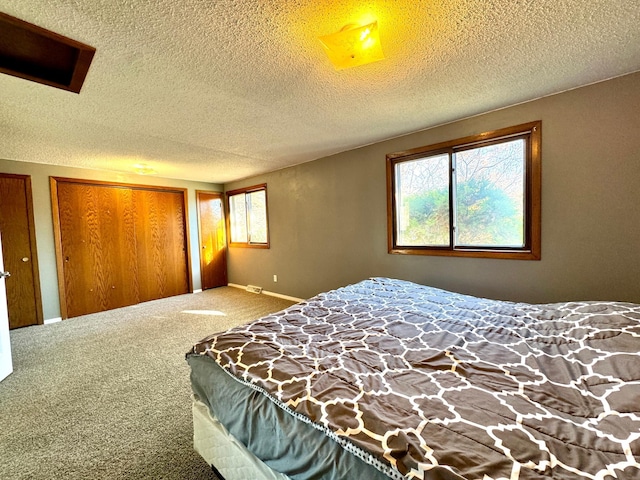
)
(532, 202)
(246, 190)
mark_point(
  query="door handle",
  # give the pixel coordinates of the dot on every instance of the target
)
(4, 274)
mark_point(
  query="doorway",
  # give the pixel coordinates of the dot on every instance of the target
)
(6, 364)
(213, 239)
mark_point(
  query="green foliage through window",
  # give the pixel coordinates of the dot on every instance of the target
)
(472, 197)
(248, 217)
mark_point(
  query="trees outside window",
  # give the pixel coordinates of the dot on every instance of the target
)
(248, 220)
(476, 196)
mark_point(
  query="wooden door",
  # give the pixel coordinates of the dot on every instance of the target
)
(19, 250)
(98, 248)
(161, 241)
(213, 242)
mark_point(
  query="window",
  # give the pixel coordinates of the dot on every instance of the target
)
(248, 217)
(474, 197)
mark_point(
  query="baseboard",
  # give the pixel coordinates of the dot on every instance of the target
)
(52, 320)
(284, 297)
(197, 290)
(271, 294)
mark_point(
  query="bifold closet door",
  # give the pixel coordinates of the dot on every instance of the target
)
(98, 247)
(161, 241)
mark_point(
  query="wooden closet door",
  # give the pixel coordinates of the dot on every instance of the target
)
(161, 241)
(97, 234)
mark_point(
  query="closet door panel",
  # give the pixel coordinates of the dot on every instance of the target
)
(117, 231)
(161, 240)
(97, 246)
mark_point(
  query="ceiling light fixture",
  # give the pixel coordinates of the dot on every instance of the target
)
(353, 45)
(144, 169)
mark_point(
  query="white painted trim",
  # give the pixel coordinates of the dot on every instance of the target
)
(52, 320)
(285, 297)
(197, 290)
(271, 294)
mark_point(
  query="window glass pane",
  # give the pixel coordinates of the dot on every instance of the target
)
(238, 218)
(422, 201)
(490, 194)
(257, 204)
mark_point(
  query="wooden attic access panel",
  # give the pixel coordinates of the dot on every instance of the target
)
(33, 53)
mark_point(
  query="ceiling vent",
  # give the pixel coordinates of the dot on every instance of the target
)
(33, 53)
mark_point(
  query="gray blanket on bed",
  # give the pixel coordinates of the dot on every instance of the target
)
(433, 383)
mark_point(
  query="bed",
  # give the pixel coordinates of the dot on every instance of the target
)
(389, 379)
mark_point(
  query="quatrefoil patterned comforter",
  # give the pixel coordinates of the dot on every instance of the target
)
(429, 384)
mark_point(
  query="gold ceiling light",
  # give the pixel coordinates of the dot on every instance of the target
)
(353, 45)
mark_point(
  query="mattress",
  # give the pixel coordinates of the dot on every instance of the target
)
(416, 382)
(279, 440)
(223, 451)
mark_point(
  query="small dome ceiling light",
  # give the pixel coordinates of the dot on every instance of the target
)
(144, 169)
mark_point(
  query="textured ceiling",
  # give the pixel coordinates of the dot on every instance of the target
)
(218, 91)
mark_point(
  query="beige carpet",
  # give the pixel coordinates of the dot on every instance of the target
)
(108, 395)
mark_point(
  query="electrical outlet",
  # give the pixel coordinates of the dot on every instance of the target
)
(275, 278)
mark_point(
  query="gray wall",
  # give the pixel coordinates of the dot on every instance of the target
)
(44, 221)
(328, 224)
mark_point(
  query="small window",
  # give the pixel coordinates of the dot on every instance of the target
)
(476, 197)
(248, 217)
